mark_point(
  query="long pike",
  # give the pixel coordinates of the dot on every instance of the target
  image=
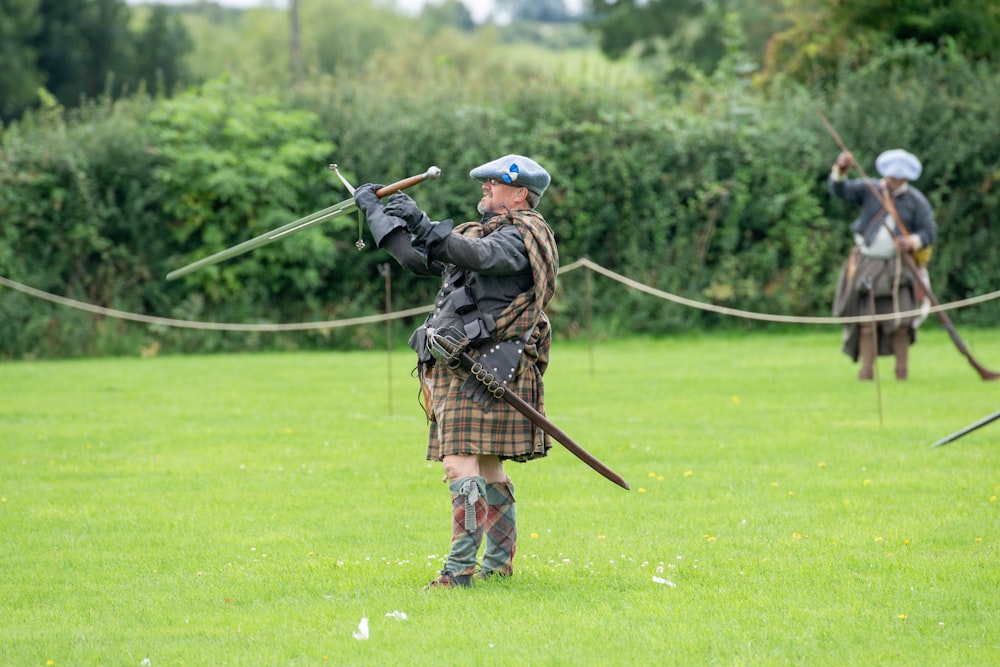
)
(343, 208)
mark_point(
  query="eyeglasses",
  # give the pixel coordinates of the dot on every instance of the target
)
(506, 180)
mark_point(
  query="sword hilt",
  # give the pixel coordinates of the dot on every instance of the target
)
(446, 349)
(334, 169)
(432, 172)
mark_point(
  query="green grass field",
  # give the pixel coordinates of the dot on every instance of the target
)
(251, 509)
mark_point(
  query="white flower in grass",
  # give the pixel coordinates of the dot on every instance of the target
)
(362, 632)
(666, 582)
(146, 662)
(401, 615)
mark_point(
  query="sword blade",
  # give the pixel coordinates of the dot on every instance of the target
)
(343, 208)
(337, 210)
(968, 429)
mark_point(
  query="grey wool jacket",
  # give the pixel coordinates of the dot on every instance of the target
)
(914, 209)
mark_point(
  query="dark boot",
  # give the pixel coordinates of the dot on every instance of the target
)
(501, 531)
(901, 349)
(866, 351)
(468, 521)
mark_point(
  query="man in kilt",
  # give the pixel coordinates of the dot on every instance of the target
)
(874, 277)
(497, 277)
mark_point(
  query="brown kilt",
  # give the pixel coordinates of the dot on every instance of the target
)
(895, 290)
(461, 427)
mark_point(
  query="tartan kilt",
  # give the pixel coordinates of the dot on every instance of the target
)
(459, 426)
(894, 289)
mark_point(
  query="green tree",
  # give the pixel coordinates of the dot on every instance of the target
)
(449, 13)
(677, 35)
(624, 25)
(160, 48)
(84, 47)
(343, 36)
(543, 11)
(20, 77)
(824, 37)
(973, 24)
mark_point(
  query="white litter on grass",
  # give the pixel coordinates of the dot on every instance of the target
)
(362, 631)
(401, 615)
(661, 580)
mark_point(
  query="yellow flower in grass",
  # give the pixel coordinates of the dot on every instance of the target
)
(688, 473)
(903, 617)
(534, 536)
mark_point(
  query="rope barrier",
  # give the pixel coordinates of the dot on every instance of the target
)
(580, 263)
(794, 319)
(217, 326)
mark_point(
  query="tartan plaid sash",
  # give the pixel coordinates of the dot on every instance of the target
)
(527, 310)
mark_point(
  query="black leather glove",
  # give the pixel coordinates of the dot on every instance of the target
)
(402, 206)
(379, 222)
(366, 199)
(500, 362)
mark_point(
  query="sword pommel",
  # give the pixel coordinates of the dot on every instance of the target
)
(432, 172)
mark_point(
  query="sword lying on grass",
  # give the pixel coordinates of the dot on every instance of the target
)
(968, 429)
(455, 356)
(337, 210)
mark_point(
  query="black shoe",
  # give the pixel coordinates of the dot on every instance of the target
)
(448, 580)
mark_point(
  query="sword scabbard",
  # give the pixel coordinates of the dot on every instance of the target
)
(542, 422)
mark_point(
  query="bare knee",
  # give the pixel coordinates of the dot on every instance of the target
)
(491, 469)
(457, 466)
